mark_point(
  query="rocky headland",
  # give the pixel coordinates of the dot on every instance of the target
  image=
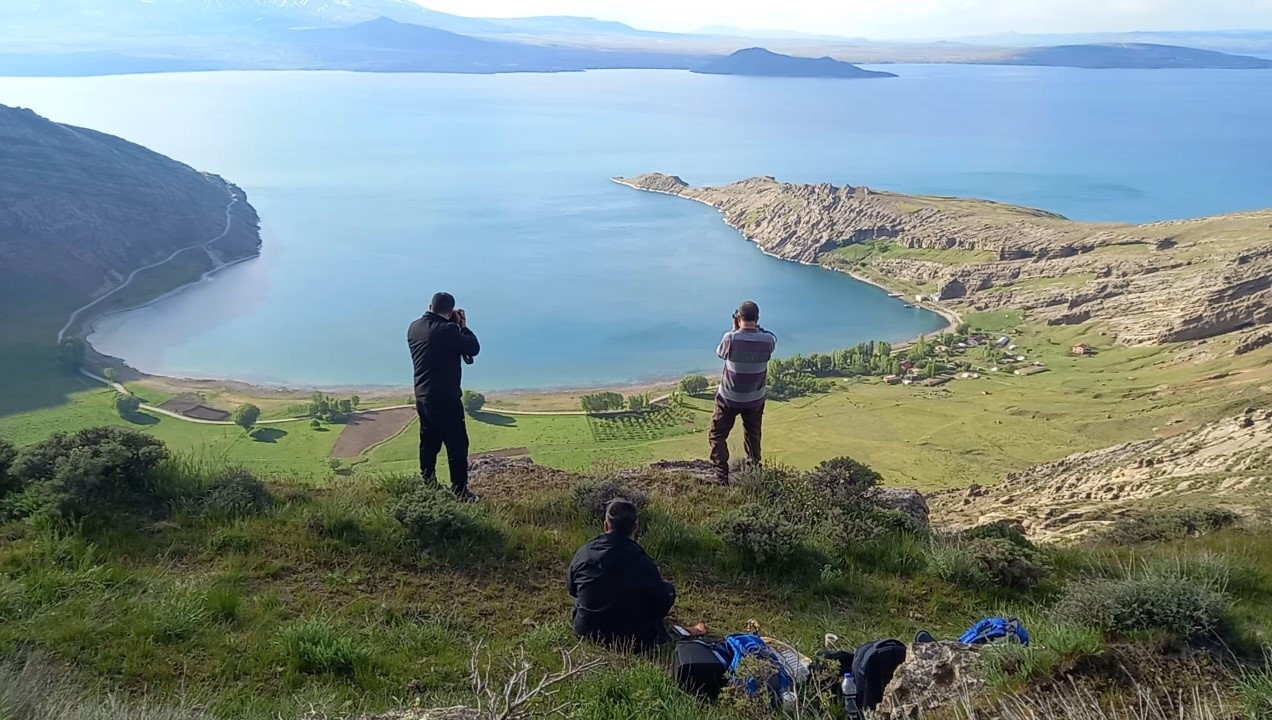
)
(1144, 284)
(81, 210)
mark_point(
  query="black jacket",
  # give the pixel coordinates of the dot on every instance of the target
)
(437, 346)
(621, 596)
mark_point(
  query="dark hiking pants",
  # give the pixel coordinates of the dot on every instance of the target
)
(442, 423)
(722, 424)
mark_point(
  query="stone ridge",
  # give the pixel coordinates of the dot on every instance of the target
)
(81, 209)
(1149, 284)
(1226, 461)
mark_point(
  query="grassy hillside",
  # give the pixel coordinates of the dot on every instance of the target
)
(324, 599)
(968, 431)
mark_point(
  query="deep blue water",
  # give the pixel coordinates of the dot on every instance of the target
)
(376, 190)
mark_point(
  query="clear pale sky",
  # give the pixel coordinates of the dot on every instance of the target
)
(893, 18)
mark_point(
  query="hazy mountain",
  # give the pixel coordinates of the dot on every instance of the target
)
(79, 209)
(762, 63)
(385, 45)
(1132, 55)
(1235, 41)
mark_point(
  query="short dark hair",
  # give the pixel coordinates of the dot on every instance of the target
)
(749, 311)
(443, 302)
(621, 515)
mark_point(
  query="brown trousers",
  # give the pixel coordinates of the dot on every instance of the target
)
(722, 424)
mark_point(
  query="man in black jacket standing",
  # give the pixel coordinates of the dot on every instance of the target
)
(439, 342)
(621, 597)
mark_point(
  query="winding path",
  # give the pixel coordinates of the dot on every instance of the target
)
(229, 220)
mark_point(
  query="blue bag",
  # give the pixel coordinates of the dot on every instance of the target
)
(996, 629)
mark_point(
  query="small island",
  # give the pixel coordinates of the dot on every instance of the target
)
(758, 62)
(1145, 56)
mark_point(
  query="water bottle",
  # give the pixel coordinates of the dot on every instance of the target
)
(849, 688)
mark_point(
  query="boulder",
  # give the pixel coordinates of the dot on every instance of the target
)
(910, 502)
(934, 675)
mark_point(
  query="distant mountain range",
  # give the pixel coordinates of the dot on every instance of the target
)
(1133, 55)
(759, 62)
(74, 37)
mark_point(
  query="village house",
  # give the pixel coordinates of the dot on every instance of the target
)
(1081, 349)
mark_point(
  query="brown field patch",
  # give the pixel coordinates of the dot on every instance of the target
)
(368, 429)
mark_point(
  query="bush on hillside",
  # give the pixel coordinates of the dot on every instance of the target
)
(1009, 565)
(1181, 606)
(73, 475)
(7, 454)
(1161, 525)
(760, 535)
(434, 519)
(1009, 530)
(236, 492)
(127, 406)
(591, 497)
(317, 646)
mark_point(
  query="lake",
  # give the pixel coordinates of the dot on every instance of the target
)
(377, 190)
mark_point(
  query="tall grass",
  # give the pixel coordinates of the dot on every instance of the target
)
(35, 690)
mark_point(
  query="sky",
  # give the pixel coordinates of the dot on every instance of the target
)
(893, 18)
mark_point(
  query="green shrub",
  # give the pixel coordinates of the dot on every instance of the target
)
(1009, 530)
(8, 483)
(335, 523)
(1179, 606)
(1007, 564)
(760, 535)
(433, 518)
(956, 564)
(593, 496)
(73, 475)
(1160, 525)
(127, 406)
(231, 540)
(317, 646)
(236, 492)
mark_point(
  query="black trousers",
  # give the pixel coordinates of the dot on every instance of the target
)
(442, 423)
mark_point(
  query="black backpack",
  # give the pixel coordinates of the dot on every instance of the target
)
(700, 667)
(873, 666)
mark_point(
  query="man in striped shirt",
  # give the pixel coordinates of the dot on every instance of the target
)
(745, 351)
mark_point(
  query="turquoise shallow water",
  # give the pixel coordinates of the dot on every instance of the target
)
(375, 190)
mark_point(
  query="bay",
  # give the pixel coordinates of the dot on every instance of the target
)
(377, 190)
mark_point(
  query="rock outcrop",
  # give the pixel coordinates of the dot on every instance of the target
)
(80, 210)
(1227, 463)
(935, 675)
(910, 502)
(1149, 284)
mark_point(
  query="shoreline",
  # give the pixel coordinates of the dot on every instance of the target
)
(128, 373)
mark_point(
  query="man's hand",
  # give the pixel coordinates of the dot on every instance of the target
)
(461, 318)
(737, 323)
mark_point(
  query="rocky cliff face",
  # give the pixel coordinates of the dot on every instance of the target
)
(1149, 284)
(80, 210)
(1227, 462)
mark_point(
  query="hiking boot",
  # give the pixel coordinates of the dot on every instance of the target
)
(467, 496)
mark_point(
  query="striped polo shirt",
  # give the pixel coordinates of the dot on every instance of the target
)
(746, 354)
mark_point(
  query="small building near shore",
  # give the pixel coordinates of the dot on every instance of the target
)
(1081, 349)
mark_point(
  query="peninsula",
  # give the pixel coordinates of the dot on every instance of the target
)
(1143, 284)
(759, 62)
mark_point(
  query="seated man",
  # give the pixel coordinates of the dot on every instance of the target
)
(621, 597)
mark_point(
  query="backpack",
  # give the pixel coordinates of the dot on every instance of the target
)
(873, 666)
(700, 667)
(746, 645)
(996, 629)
